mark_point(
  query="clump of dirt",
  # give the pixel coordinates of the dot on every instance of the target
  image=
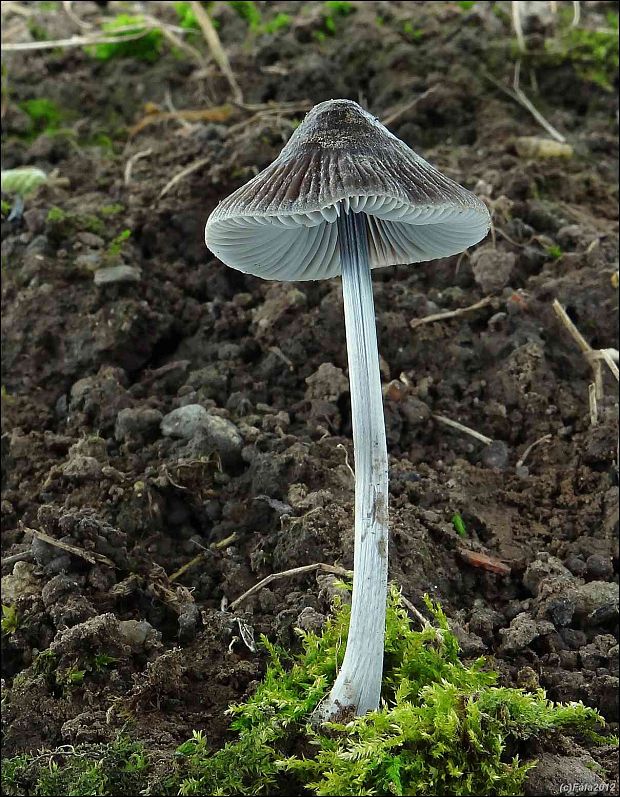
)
(173, 431)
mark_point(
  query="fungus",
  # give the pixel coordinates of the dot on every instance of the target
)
(343, 197)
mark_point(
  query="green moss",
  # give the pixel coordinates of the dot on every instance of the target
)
(45, 116)
(444, 728)
(279, 22)
(554, 251)
(413, 33)
(117, 768)
(186, 17)
(593, 52)
(248, 11)
(111, 210)
(62, 225)
(55, 215)
(145, 47)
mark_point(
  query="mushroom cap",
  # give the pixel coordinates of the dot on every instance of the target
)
(282, 223)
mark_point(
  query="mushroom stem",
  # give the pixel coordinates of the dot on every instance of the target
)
(358, 685)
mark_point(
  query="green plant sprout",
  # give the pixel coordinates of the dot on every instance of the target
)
(248, 11)
(10, 619)
(44, 115)
(279, 22)
(332, 9)
(554, 251)
(115, 246)
(459, 525)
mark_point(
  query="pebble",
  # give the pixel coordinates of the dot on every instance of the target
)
(20, 583)
(328, 382)
(495, 455)
(599, 567)
(184, 422)
(310, 620)
(596, 601)
(492, 268)
(113, 274)
(221, 435)
(137, 422)
(543, 568)
(522, 631)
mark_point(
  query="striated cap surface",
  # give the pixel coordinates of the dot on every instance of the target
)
(282, 223)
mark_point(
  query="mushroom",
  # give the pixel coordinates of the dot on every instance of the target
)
(343, 197)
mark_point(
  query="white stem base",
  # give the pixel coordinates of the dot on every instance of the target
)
(358, 685)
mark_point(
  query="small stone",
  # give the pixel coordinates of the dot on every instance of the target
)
(596, 598)
(573, 638)
(492, 268)
(541, 569)
(184, 422)
(81, 468)
(560, 611)
(221, 435)
(89, 239)
(310, 620)
(114, 274)
(414, 411)
(522, 631)
(576, 565)
(599, 567)
(328, 383)
(137, 632)
(136, 423)
(20, 583)
(89, 261)
(495, 455)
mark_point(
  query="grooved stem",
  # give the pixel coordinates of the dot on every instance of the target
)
(358, 685)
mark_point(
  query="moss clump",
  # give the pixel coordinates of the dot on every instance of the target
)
(445, 728)
(116, 768)
(143, 43)
(44, 115)
(592, 51)
(62, 225)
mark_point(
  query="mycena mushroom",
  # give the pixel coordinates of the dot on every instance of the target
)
(343, 197)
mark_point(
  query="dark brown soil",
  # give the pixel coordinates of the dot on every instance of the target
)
(90, 373)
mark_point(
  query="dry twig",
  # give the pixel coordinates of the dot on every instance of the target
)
(90, 556)
(465, 429)
(193, 167)
(215, 546)
(518, 95)
(131, 161)
(68, 9)
(417, 322)
(417, 614)
(594, 357)
(217, 51)
(403, 109)
(294, 571)
(544, 439)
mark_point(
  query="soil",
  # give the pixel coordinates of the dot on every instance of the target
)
(252, 469)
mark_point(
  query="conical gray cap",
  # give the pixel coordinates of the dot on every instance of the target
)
(281, 224)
